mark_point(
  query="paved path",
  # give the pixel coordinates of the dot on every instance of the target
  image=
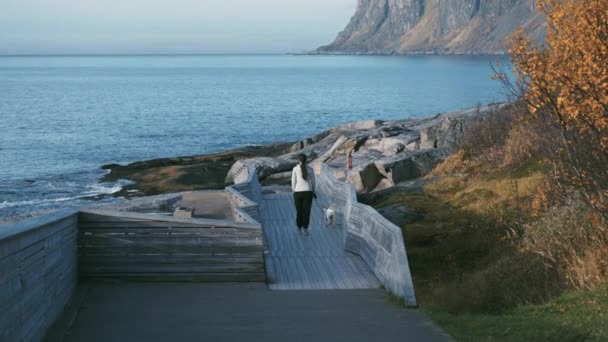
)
(172, 312)
(317, 261)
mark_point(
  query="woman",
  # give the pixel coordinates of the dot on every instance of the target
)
(303, 186)
(349, 160)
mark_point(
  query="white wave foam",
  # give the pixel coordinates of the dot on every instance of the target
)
(107, 188)
(87, 191)
(7, 204)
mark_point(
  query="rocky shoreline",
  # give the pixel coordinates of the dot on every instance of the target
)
(168, 175)
(386, 153)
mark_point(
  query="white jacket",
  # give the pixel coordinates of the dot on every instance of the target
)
(298, 183)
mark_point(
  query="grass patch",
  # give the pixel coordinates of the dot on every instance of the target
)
(479, 280)
(575, 316)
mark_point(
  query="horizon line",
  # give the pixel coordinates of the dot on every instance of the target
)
(144, 54)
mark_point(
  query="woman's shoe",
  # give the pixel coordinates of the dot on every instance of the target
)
(305, 230)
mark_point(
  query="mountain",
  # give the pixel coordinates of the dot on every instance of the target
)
(435, 26)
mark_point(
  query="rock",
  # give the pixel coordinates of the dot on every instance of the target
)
(439, 26)
(332, 150)
(365, 177)
(447, 134)
(159, 176)
(265, 166)
(389, 146)
(413, 146)
(399, 147)
(410, 165)
(301, 144)
(110, 166)
(396, 213)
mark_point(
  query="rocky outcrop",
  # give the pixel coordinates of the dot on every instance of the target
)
(435, 26)
(265, 166)
(205, 172)
(386, 153)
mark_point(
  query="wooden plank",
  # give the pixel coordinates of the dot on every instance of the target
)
(29, 226)
(314, 280)
(20, 240)
(169, 219)
(296, 277)
(345, 275)
(176, 259)
(358, 278)
(185, 277)
(36, 261)
(158, 227)
(270, 275)
(304, 276)
(172, 240)
(290, 281)
(169, 269)
(167, 241)
(319, 268)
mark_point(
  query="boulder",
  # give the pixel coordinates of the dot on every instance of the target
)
(413, 146)
(265, 166)
(365, 177)
(392, 145)
(445, 134)
(301, 144)
(410, 165)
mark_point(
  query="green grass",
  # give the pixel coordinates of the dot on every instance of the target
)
(476, 283)
(576, 316)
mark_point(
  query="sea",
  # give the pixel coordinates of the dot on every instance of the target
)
(63, 117)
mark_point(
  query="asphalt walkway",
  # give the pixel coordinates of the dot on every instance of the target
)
(176, 312)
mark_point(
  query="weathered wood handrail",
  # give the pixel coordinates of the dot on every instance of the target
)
(246, 194)
(377, 240)
(38, 274)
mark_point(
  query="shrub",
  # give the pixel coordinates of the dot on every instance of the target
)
(567, 238)
(512, 280)
(565, 85)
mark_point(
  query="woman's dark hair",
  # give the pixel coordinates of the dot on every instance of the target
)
(302, 159)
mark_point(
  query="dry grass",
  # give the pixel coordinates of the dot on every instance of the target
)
(567, 238)
(459, 252)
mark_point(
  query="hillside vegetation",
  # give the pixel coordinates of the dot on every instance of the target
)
(509, 239)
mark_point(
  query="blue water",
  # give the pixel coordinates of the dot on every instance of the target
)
(61, 118)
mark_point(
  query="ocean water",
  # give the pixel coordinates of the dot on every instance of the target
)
(62, 117)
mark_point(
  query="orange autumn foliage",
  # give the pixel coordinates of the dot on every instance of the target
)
(565, 83)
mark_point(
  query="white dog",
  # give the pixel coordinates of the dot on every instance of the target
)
(330, 217)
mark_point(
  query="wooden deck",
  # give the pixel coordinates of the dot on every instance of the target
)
(317, 261)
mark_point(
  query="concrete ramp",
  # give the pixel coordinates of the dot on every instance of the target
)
(317, 261)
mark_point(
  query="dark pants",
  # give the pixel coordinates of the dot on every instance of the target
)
(303, 202)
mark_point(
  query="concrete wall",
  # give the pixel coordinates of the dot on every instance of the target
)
(38, 274)
(368, 234)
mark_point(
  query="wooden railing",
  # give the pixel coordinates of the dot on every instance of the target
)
(164, 248)
(378, 241)
(38, 274)
(246, 195)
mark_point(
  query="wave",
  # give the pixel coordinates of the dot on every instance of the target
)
(7, 204)
(100, 189)
(80, 194)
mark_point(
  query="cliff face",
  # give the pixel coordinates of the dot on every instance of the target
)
(435, 26)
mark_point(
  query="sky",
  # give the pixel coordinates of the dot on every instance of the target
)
(169, 26)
